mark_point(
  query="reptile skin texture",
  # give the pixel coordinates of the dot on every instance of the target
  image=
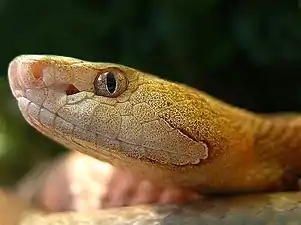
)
(167, 132)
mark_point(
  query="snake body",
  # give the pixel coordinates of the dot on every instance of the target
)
(168, 132)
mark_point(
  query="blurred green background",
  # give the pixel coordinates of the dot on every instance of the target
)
(247, 53)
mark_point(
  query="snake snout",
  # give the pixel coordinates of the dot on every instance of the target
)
(25, 72)
(14, 79)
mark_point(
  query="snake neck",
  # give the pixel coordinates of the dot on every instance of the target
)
(278, 139)
(274, 143)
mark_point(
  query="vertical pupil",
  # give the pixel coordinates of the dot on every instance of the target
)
(111, 82)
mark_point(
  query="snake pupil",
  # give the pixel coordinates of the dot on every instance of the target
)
(111, 82)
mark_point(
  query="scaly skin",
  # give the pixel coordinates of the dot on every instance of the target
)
(167, 132)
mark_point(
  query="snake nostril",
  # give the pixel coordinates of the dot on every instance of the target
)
(71, 90)
(37, 69)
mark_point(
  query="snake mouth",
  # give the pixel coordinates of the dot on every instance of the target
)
(41, 97)
(30, 87)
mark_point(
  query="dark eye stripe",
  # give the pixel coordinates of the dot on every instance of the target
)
(111, 82)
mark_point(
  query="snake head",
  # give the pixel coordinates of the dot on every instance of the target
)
(116, 113)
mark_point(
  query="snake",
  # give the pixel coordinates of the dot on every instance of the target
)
(246, 164)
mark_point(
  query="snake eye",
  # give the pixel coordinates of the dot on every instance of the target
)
(110, 83)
